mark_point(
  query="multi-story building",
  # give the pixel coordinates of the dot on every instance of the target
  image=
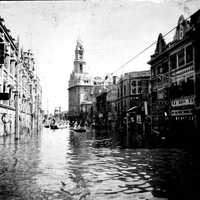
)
(132, 104)
(8, 61)
(80, 87)
(20, 91)
(104, 102)
(174, 79)
(132, 91)
(111, 99)
(98, 88)
(195, 23)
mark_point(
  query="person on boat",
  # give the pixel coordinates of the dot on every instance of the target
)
(75, 124)
(53, 121)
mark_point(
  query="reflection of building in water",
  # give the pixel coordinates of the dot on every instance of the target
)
(80, 86)
(78, 170)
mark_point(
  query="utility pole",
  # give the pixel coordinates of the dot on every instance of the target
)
(17, 95)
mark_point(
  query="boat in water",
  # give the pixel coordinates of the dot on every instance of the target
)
(79, 129)
(53, 124)
(46, 123)
(46, 126)
(62, 125)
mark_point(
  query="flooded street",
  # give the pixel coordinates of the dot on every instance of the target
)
(61, 164)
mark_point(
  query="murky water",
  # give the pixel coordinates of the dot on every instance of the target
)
(64, 165)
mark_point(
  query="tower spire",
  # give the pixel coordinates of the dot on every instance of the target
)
(79, 61)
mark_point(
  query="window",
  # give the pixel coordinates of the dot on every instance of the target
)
(173, 63)
(124, 90)
(133, 91)
(153, 72)
(6, 62)
(139, 83)
(4, 87)
(181, 32)
(165, 67)
(11, 67)
(133, 83)
(81, 68)
(181, 57)
(158, 70)
(189, 54)
(124, 104)
(2, 50)
(139, 90)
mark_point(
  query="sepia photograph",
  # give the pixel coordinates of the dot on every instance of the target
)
(100, 100)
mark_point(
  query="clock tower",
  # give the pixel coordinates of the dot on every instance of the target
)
(80, 86)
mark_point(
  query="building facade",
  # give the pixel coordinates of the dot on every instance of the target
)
(111, 99)
(80, 87)
(174, 81)
(133, 89)
(132, 106)
(20, 90)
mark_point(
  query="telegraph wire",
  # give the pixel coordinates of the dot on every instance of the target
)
(141, 52)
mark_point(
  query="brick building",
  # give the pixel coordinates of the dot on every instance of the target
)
(132, 101)
(174, 81)
(133, 90)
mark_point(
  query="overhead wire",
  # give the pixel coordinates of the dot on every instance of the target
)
(141, 52)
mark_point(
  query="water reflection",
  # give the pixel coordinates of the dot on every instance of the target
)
(62, 164)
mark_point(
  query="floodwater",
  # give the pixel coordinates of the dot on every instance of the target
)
(61, 164)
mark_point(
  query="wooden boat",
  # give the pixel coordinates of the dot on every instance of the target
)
(61, 126)
(46, 125)
(79, 129)
(53, 124)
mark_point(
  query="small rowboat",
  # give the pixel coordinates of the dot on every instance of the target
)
(53, 126)
(80, 130)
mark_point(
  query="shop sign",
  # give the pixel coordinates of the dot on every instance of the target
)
(181, 112)
(183, 101)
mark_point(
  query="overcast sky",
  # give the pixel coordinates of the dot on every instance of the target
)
(112, 32)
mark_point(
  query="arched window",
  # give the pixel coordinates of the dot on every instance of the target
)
(4, 87)
(81, 68)
(181, 32)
